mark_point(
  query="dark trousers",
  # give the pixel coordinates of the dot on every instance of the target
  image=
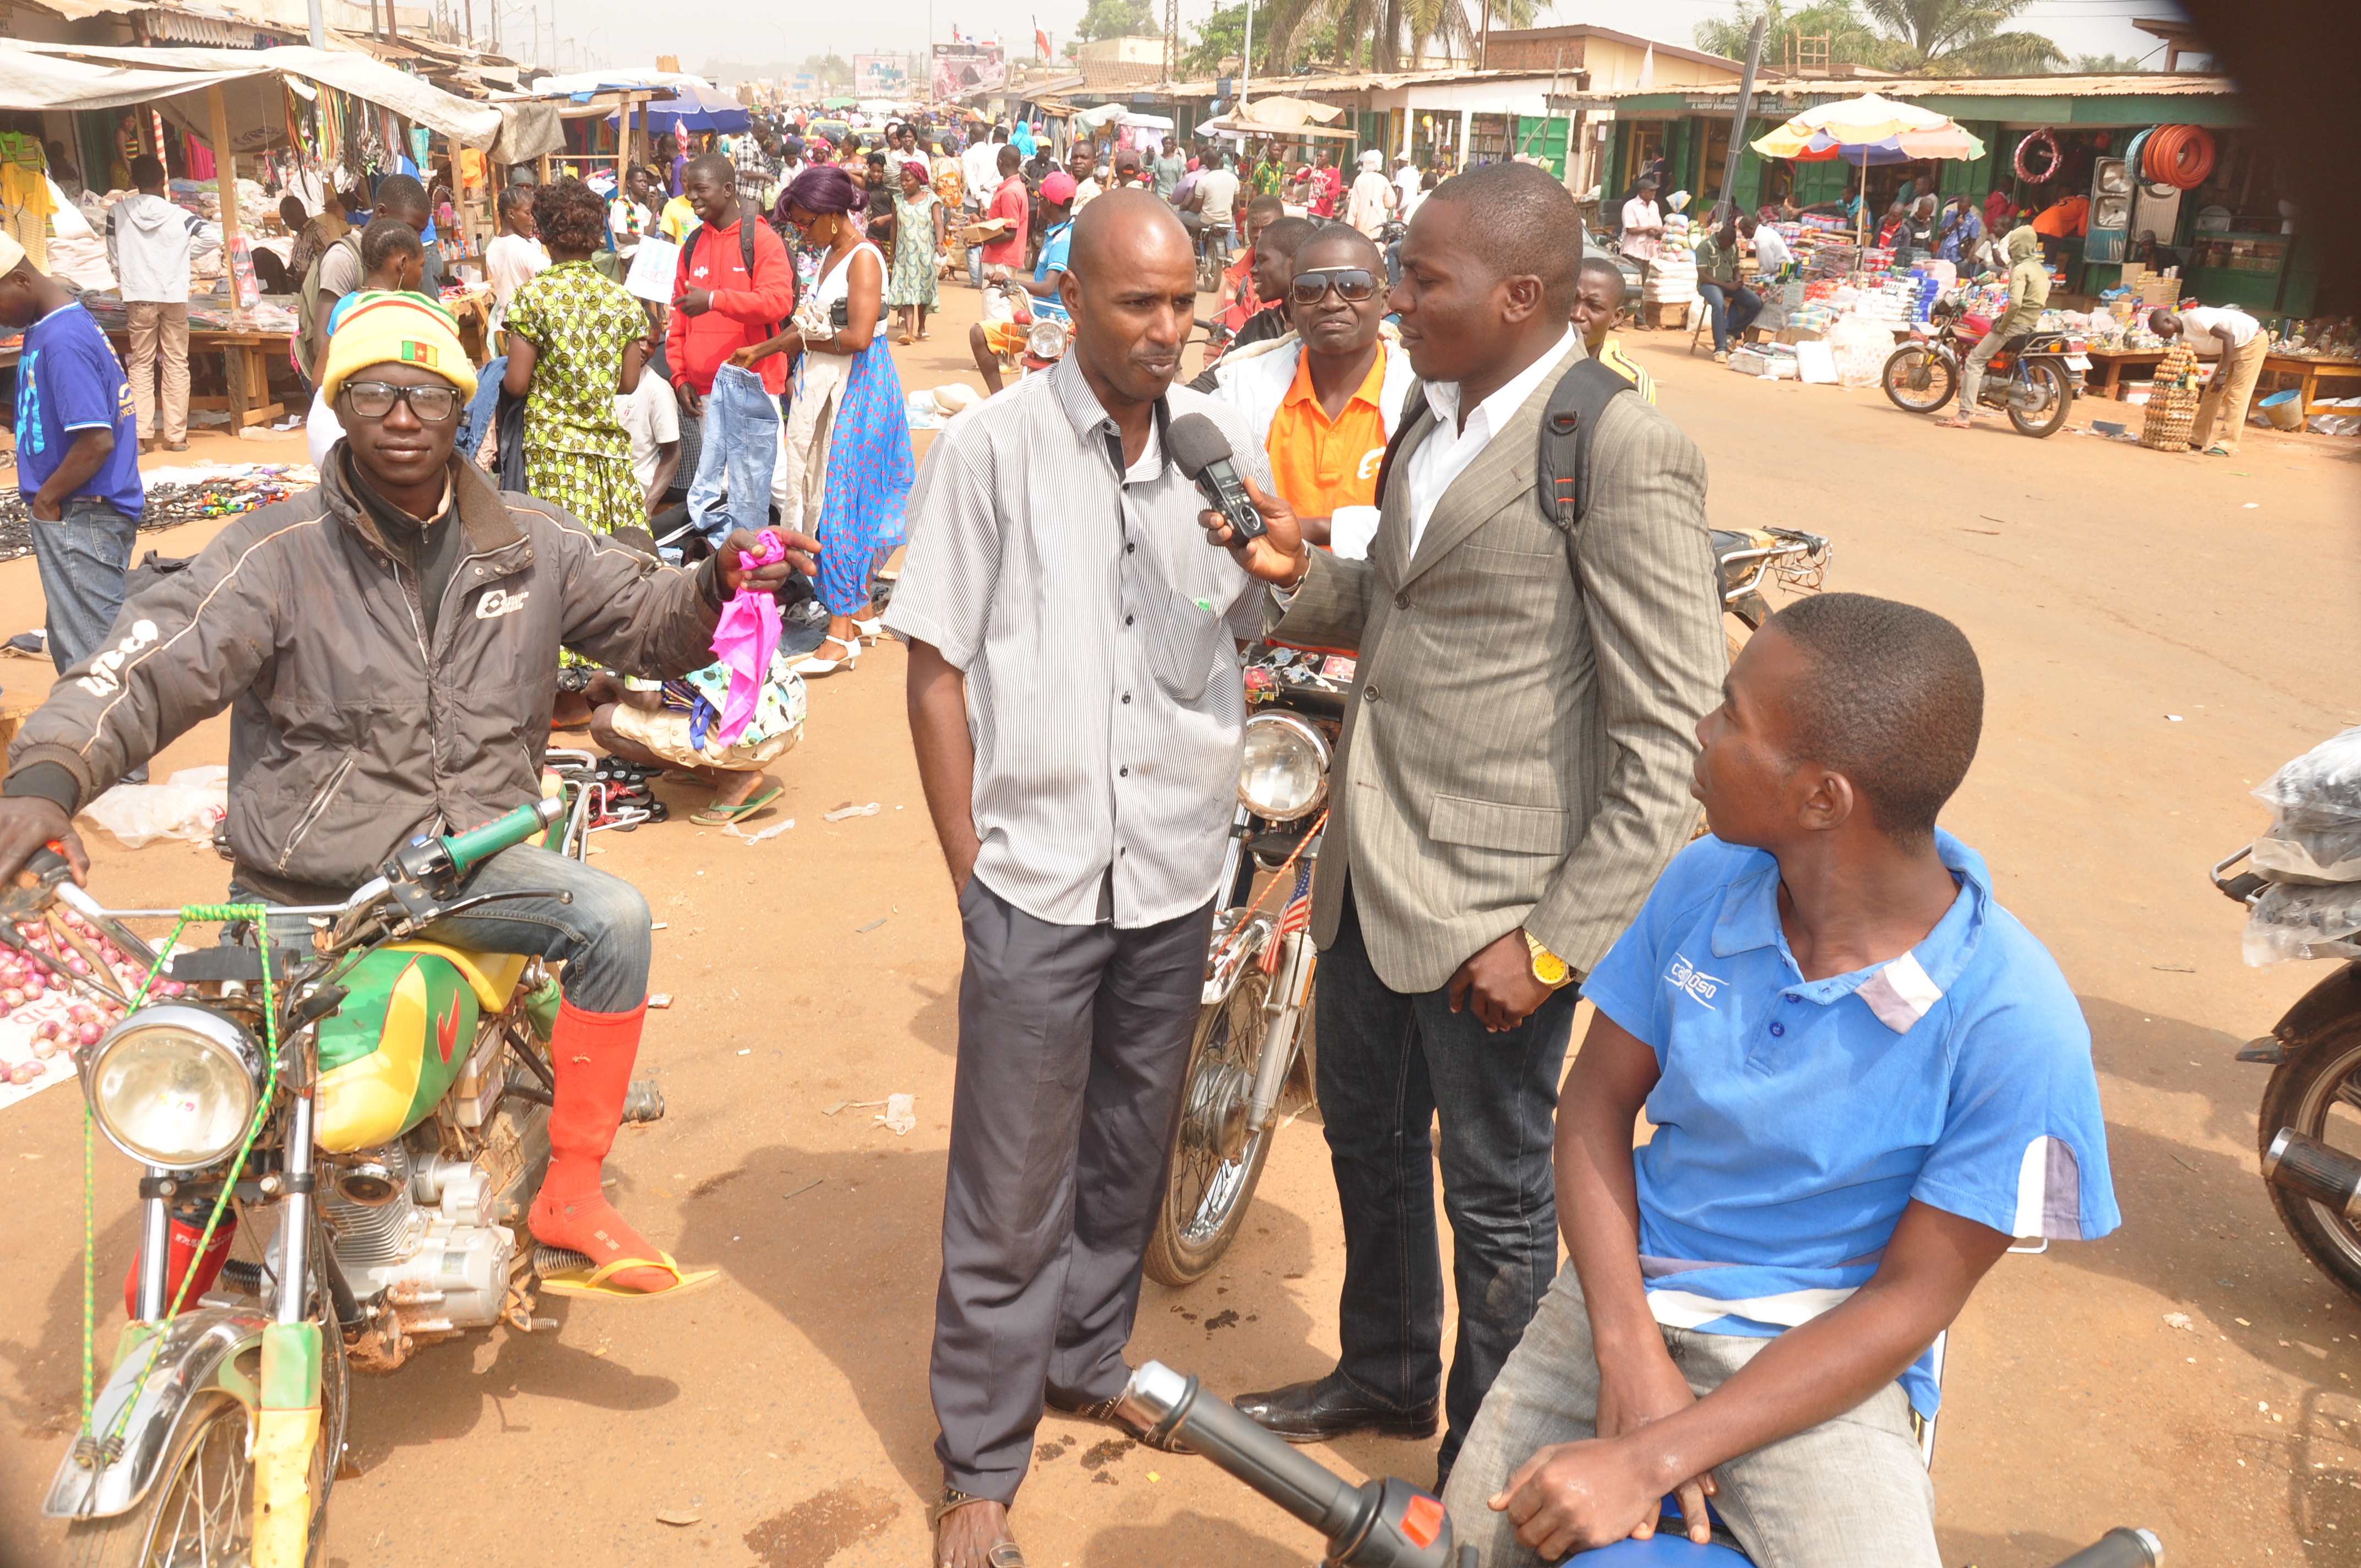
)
(1734, 310)
(1390, 1065)
(1072, 1044)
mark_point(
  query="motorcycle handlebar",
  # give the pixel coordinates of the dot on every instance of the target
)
(1379, 1524)
(2122, 1547)
(501, 832)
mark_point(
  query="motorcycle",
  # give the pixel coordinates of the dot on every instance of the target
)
(376, 1107)
(2033, 379)
(1044, 341)
(1391, 1524)
(1254, 1056)
(2307, 1130)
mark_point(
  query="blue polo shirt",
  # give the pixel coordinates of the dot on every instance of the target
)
(1056, 245)
(68, 379)
(1796, 1118)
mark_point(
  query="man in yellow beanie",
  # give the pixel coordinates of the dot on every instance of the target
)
(387, 644)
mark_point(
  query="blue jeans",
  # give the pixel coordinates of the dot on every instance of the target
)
(1734, 310)
(1389, 1064)
(602, 937)
(740, 447)
(83, 558)
(475, 419)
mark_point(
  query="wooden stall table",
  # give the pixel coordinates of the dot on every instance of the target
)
(2309, 371)
(2111, 364)
(247, 356)
(473, 313)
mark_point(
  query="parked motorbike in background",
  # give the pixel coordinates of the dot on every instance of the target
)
(1044, 340)
(2033, 379)
(2302, 888)
(371, 1114)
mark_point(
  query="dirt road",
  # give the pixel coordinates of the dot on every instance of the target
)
(2157, 634)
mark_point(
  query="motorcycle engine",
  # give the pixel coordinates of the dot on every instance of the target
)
(412, 1233)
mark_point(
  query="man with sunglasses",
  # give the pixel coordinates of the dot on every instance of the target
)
(388, 642)
(1326, 398)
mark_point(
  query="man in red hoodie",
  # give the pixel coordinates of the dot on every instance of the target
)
(718, 309)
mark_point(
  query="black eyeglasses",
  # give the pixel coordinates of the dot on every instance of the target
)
(375, 399)
(1353, 285)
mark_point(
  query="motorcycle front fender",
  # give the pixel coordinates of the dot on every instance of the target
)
(198, 1355)
(2334, 1001)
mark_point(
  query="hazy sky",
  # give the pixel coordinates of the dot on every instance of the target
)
(756, 40)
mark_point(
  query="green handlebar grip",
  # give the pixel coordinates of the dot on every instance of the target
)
(482, 843)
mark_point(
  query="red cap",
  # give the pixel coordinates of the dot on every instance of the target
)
(1057, 189)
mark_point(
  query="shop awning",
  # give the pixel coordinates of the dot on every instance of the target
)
(72, 76)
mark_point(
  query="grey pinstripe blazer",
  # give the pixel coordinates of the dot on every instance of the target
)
(1517, 745)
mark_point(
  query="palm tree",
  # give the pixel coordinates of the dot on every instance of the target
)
(1385, 35)
(1851, 41)
(1960, 38)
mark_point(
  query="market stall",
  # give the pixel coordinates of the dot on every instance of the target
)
(235, 129)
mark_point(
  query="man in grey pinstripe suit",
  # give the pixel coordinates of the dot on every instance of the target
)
(1513, 776)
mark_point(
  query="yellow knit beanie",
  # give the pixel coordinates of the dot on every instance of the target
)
(380, 328)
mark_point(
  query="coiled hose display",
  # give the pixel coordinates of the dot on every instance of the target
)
(2178, 156)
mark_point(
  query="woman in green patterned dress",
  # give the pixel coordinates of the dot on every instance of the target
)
(918, 226)
(576, 342)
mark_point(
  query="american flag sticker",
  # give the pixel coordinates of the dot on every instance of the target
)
(1295, 916)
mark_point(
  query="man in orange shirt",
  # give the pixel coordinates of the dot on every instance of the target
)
(1327, 397)
(2059, 223)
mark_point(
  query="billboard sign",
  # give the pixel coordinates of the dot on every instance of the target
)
(962, 70)
(881, 76)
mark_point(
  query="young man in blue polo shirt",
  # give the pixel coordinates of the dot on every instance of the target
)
(77, 456)
(1864, 1077)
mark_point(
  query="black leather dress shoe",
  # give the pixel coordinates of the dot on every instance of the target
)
(1329, 1408)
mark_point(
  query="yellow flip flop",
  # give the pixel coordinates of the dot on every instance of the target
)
(589, 1281)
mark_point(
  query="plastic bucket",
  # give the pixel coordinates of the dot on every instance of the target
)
(2284, 410)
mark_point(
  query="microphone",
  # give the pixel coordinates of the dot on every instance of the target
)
(1201, 449)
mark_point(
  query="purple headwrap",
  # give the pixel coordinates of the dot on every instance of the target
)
(823, 188)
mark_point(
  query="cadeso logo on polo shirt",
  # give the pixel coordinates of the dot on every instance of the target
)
(1685, 976)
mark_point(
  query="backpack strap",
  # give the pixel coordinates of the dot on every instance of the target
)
(1562, 470)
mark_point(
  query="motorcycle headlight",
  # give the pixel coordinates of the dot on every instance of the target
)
(175, 1086)
(1284, 772)
(1046, 340)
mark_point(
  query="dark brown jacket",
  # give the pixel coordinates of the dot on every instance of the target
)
(349, 733)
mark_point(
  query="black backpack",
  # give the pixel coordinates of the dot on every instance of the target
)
(1576, 406)
(747, 219)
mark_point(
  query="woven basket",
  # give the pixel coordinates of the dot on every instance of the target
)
(2172, 406)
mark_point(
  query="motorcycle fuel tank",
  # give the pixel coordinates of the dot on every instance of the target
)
(393, 1049)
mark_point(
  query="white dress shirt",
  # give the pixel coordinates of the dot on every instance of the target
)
(1770, 252)
(1450, 449)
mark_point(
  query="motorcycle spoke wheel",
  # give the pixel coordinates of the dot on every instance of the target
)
(2318, 1092)
(1215, 1164)
(1920, 382)
(198, 1512)
(2050, 418)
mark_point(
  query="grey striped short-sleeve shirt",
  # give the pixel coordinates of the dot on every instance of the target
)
(1094, 626)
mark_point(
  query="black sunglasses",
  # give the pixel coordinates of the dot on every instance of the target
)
(375, 399)
(1353, 285)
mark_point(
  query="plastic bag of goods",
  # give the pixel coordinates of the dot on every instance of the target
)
(2305, 920)
(2316, 831)
(1748, 362)
(187, 805)
(1861, 348)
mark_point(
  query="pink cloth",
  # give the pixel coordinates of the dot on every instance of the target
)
(746, 636)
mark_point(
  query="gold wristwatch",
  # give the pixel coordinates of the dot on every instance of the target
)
(1548, 968)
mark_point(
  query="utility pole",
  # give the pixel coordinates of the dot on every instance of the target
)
(1745, 107)
(319, 26)
(1245, 62)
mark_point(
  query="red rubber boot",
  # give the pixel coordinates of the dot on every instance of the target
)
(591, 1055)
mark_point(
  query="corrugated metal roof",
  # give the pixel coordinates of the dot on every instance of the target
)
(1361, 82)
(2133, 84)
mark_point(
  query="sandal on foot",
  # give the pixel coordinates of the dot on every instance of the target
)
(588, 1281)
(718, 814)
(817, 667)
(1955, 424)
(2218, 450)
(1002, 1553)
